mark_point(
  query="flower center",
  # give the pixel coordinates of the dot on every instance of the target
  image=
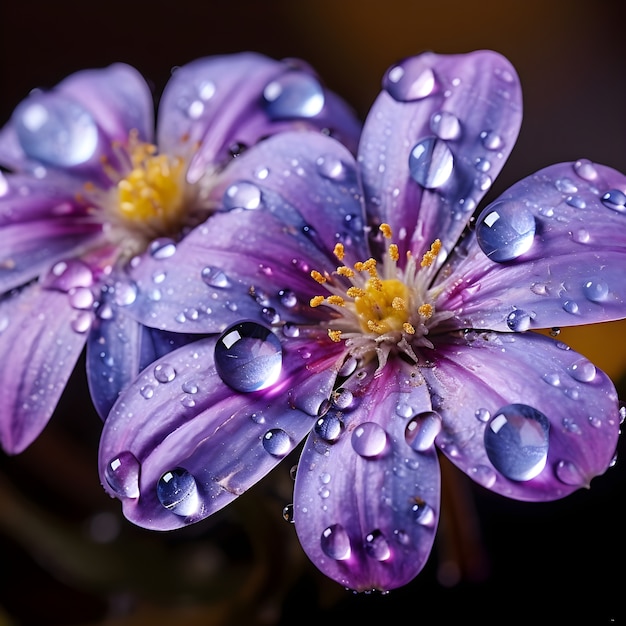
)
(381, 306)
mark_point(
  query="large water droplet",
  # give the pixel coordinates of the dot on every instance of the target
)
(583, 371)
(369, 440)
(331, 167)
(423, 513)
(162, 248)
(516, 441)
(445, 125)
(569, 474)
(505, 230)
(164, 373)
(421, 431)
(277, 442)
(615, 200)
(595, 290)
(409, 81)
(242, 195)
(431, 163)
(122, 475)
(519, 320)
(335, 543)
(215, 277)
(70, 274)
(293, 95)
(248, 357)
(55, 130)
(376, 546)
(329, 427)
(177, 491)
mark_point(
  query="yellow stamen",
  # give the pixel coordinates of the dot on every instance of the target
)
(385, 229)
(425, 310)
(316, 301)
(394, 255)
(317, 277)
(408, 328)
(355, 292)
(429, 257)
(337, 300)
(345, 271)
(398, 304)
(339, 251)
(335, 335)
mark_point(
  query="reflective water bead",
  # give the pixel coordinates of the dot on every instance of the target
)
(376, 546)
(343, 398)
(566, 185)
(164, 373)
(570, 306)
(277, 442)
(190, 387)
(491, 140)
(482, 415)
(519, 320)
(505, 230)
(583, 371)
(294, 94)
(421, 431)
(67, 275)
(55, 130)
(329, 427)
(177, 491)
(431, 163)
(516, 441)
(287, 298)
(577, 202)
(147, 391)
(125, 293)
(242, 195)
(335, 542)
(291, 330)
(595, 290)
(162, 248)
(369, 440)
(445, 125)
(214, 277)
(331, 167)
(81, 323)
(81, 298)
(288, 513)
(423, 513)
(569, 474)
(585, 169)
(248, 357)
(409, 81)
(615, 199)
(122, 475)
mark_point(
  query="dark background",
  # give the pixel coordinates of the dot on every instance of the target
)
(67, 556)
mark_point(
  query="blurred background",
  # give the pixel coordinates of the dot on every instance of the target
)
(68, 557)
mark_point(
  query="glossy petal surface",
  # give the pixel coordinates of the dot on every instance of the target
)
(38, 351)
(366, 501)
(477, 377)
(572, 271)
(434, 140)
(180, 415)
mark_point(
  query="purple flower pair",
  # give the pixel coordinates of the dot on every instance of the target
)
(355, 304)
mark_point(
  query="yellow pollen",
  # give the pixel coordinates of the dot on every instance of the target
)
(385, 229)
(381, 306)
(339, 251)
(317, 277)
(408, 328)
(316, 301)
(425, 310)
(336, 300)
(335, 335)
(355, 292)
(345, 271)
(398, 304)
(394, 255)
(429, 257)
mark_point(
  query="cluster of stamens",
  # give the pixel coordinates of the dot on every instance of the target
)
(381, 306)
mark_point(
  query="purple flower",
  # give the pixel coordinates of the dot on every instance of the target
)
(89, 190)
(380, 327)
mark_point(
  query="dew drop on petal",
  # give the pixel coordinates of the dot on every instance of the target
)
(445, 125)
(431, 163)
(376, 546)
(242, 195)
(583, 371)
(516, 441)
(505, 230)
(248, 357)
(293, 95)
(335, 543)
(122, 475)
(215, 277)
(329, 427)
(491, 140)
(586, 170)
(147, 391)
(482, 415)
(67, 275)
(288, 515)
(595, 290)
(569, 474)
(421, 431)
(55, 130)
(519, 320)
(177, 491)
(423, 513)
(403, 85)
(276, 441)
(162, 248)
(615, 200)
(570, 306)
(369, 440)
(331, 167)
(164, 373)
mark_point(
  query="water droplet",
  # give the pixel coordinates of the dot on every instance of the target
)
(287, 298)
(242, 195)
(162, 248)
(570, 307)
(348, 367)
(147, 391)
(491, 140)
(122, 475)
(431, 163)
(445, 125)
(423, 513)
(329, 427)
(291, 330)
(335, 543)
(55, 130)
(583, 371)
(164, 373)
(82, 322)
(586, 170)
(177, 491)
(331, 167)
(67, 275)
(552, 378)
(409, 81)
(277, 442)
(516, 441)
(125, 293)
(519, 320)
(482, 415)
(566, 185)
(190, 387)
(581, 235)
(421, 431)
(577, 202)
(288, 514)
(343, 399)
(293, 95)
(505, 230)
(569, 474)
(369, 440)
(81, 298)
(615, 200)
(248, 357)
(214, 277)
(376, 546)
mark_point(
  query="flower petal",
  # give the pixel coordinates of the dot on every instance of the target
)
(181, 444)
(435, 138)
(553, 253)
(38, 352)
(255, 259)
(366, 502)
(227, 103)
(523, 415)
